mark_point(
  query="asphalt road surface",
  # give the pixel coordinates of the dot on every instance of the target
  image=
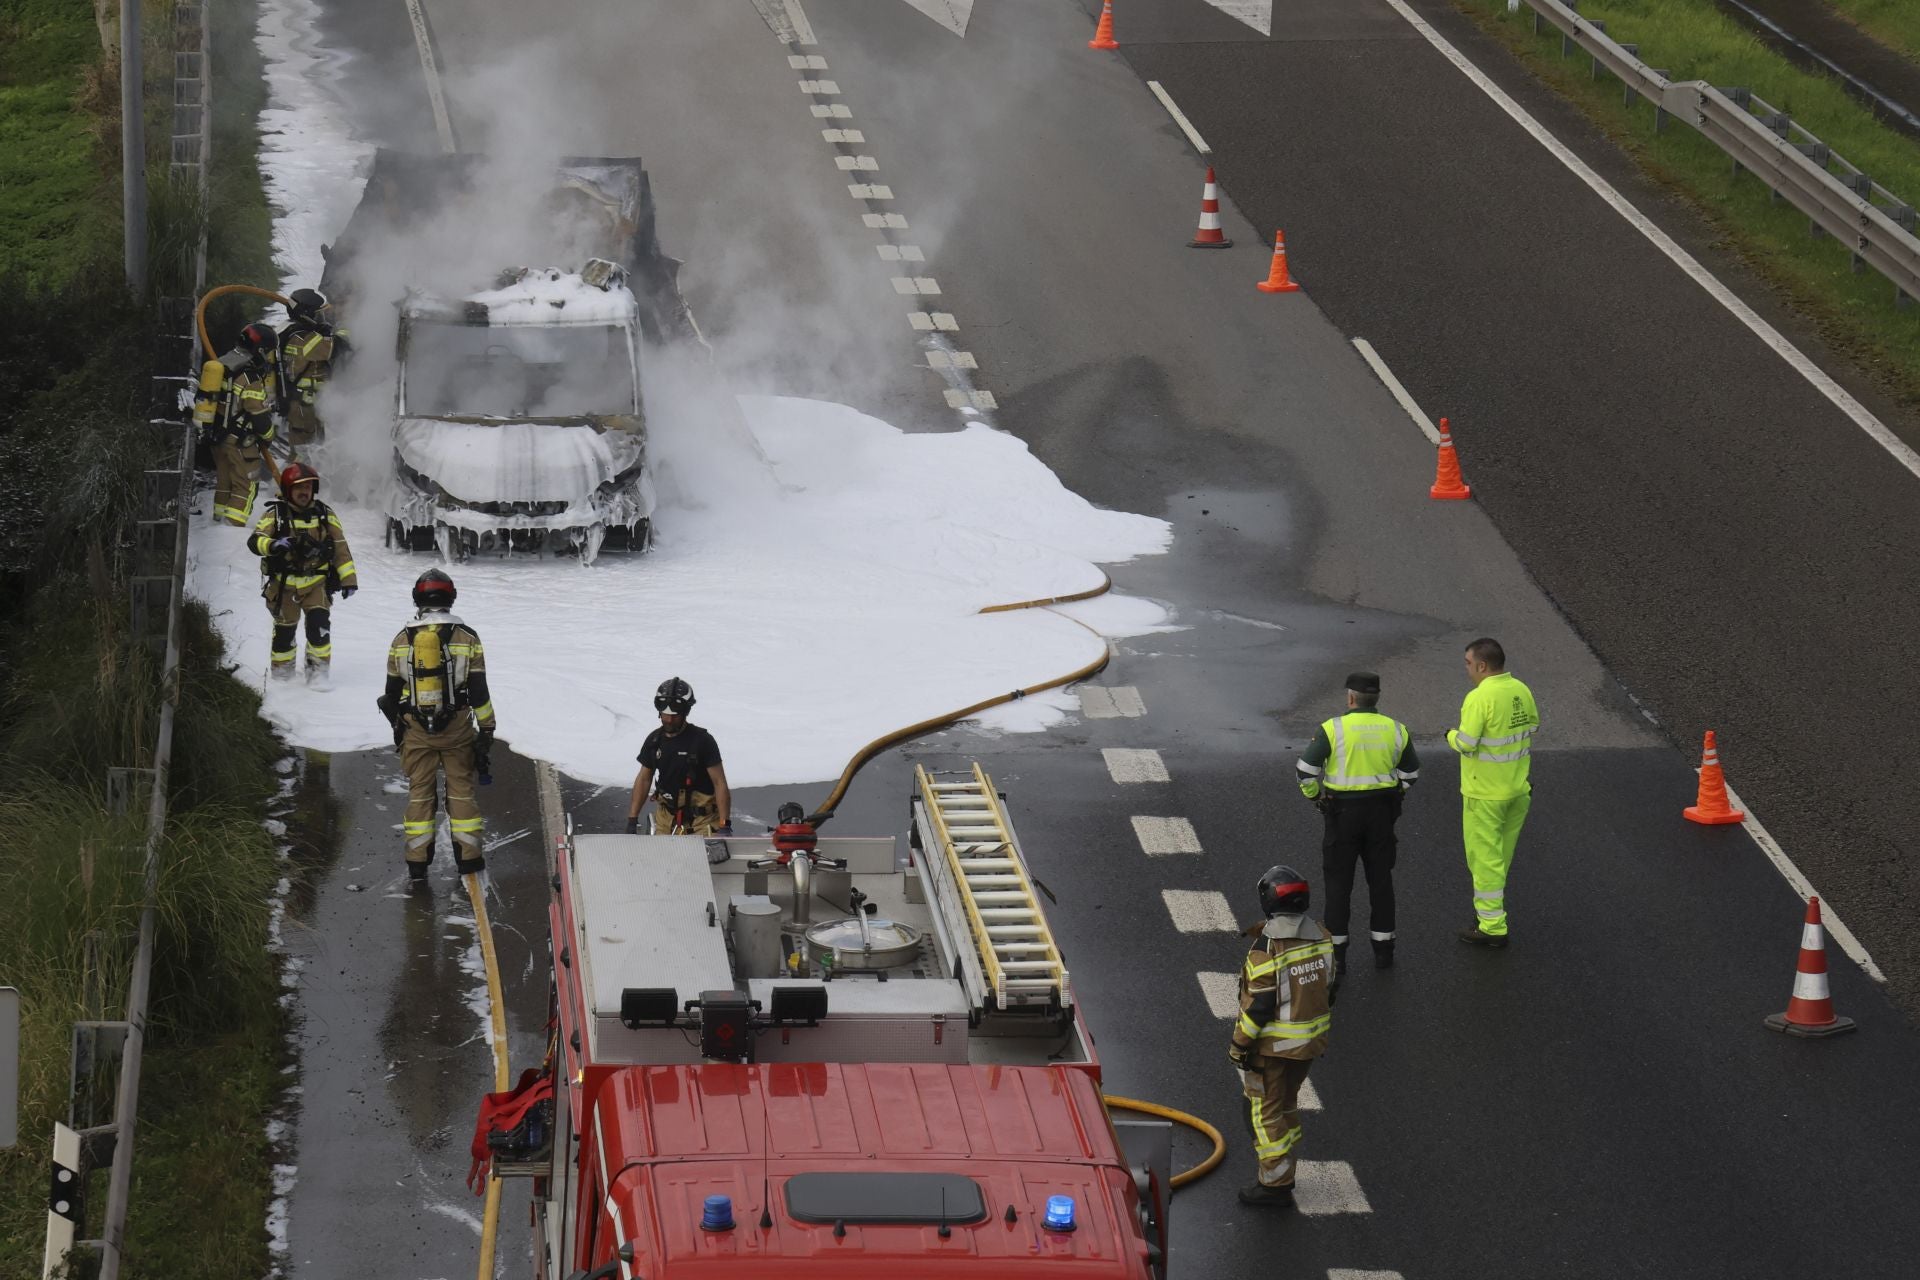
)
(1600, 1098)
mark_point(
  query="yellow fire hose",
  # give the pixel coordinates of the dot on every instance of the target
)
(206, 341)
(490, 1216)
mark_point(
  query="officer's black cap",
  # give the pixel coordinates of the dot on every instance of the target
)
(1364, 682)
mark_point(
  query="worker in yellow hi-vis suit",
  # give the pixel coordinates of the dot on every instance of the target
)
(1495, 742)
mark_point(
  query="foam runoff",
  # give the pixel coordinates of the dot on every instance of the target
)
(811, 616)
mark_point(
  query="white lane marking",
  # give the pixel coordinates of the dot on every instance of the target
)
(1323, 1187)
(916, 286)
(1310, 1097)
(960, 398)
(1400, 393)
(832, 111)
(1222, 991)
(831, 88)
(1257, 14)
(842, 135)
(900, 253)
(1199, 910)
(883, 221)
(806, 62)
(787, 20)
(1346, 1273)
(1160, 837)
(951, 14)
(1135, 764)
(1111, 702)
(938, 321)
(1180, 118)
(951, 360)
(870, 191)
(1806, 368)
(860, 164)
(1804, 887)
(430, 68)
(802, 29)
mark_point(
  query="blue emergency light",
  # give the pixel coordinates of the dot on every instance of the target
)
(717, 1214)
(1059, 1213)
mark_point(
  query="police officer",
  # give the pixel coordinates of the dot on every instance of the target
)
(310, 346)
(235, 413)
(304, 561)
(1287, 989)
(680, 766)
(1356, 771)
(1495, 742)
(442, 716)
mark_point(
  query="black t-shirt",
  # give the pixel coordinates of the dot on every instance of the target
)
(681, 760)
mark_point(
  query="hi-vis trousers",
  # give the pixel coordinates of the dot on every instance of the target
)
(1273, 1107)
(425, 756)
(1491, 829)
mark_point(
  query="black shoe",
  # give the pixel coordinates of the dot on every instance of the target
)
(1263, 1196)
(416, 871)
(1383, 955)
(463, 866)
(1495, 941)
(1339, 960)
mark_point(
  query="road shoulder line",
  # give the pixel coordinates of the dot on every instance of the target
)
(1180, 118)
(1804, 887)
(1400, 393)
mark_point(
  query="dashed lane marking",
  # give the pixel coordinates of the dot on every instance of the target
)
(870, 191)
(830, 88)
(1180, 118)
(842, 135)
(1222, 991)
(1344, 1273)
(832, 111)
(916, 286)
(1199, 910)
(1135, 764)
(951, 360)
(961, 398)
(858, 164)
(1324, 1187)
(884, 221)
(1160, 837)
(1309, 1097)
(1777, 341)
(931, 322)
(1111, 702)
(900, 253)
(806, 62)
(1399, 392)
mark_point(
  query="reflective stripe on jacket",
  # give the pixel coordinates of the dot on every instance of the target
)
(1358, 751)
(319, 543)
(1286, 995)
(1495, 739)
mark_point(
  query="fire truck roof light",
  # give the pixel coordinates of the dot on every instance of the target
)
(1059, 1213)
(717, 1214)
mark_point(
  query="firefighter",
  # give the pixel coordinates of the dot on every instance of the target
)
(1286, 994)
(1356, 771)
(680, 765)
(304, 563)
(310, 345)
(1495, 742)
(235, 412)
(442, 716)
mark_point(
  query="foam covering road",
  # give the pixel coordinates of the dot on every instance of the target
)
(1664, 510)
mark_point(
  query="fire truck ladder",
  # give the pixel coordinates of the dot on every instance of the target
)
(1017, 960)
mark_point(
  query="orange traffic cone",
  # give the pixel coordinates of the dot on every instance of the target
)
(1711, 806)
(1209, 236)
(1446, 472)
(1810, 1011)
(1277, 280)
(1103, 34)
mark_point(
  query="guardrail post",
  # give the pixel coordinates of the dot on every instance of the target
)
(1593, 60)
(151, 598)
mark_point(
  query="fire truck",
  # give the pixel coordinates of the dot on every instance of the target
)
(801, 1055)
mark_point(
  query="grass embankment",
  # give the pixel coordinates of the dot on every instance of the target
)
(1894, 23)
(79, 694)
(1693, 40)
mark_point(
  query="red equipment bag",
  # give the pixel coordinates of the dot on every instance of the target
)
(502, 1113)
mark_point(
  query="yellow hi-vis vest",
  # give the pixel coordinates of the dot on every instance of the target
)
(1366, 750)
(1495, 739)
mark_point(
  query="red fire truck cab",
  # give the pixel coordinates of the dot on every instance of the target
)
(810, 1056)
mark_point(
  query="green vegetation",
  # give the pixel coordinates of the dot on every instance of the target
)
(79, 694)
(1692, 40)
(1894, 23)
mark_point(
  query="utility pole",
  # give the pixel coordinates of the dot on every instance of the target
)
(133, 148)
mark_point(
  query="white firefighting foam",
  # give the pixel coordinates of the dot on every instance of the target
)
(811, 617)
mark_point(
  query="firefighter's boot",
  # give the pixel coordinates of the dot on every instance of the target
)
(1383, 955)
(1263, 1196)
(1340, 959)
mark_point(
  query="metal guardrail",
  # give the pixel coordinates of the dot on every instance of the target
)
(1838, 198)
(106, 1054)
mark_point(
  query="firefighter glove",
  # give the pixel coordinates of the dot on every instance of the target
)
(280, 546)
(724, 829)
(1238, 1057)
(346, 593)
(633, 826)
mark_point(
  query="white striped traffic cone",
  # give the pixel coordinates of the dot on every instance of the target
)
(1210, 236)
(1810, 1011)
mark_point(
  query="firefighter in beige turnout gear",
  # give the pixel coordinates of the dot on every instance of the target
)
(442, 716)
(1286, 997)
(234, 409)
(310, 346)
(304, 563)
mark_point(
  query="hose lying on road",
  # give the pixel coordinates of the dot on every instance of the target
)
(490, 1216)
(1193, 1122)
